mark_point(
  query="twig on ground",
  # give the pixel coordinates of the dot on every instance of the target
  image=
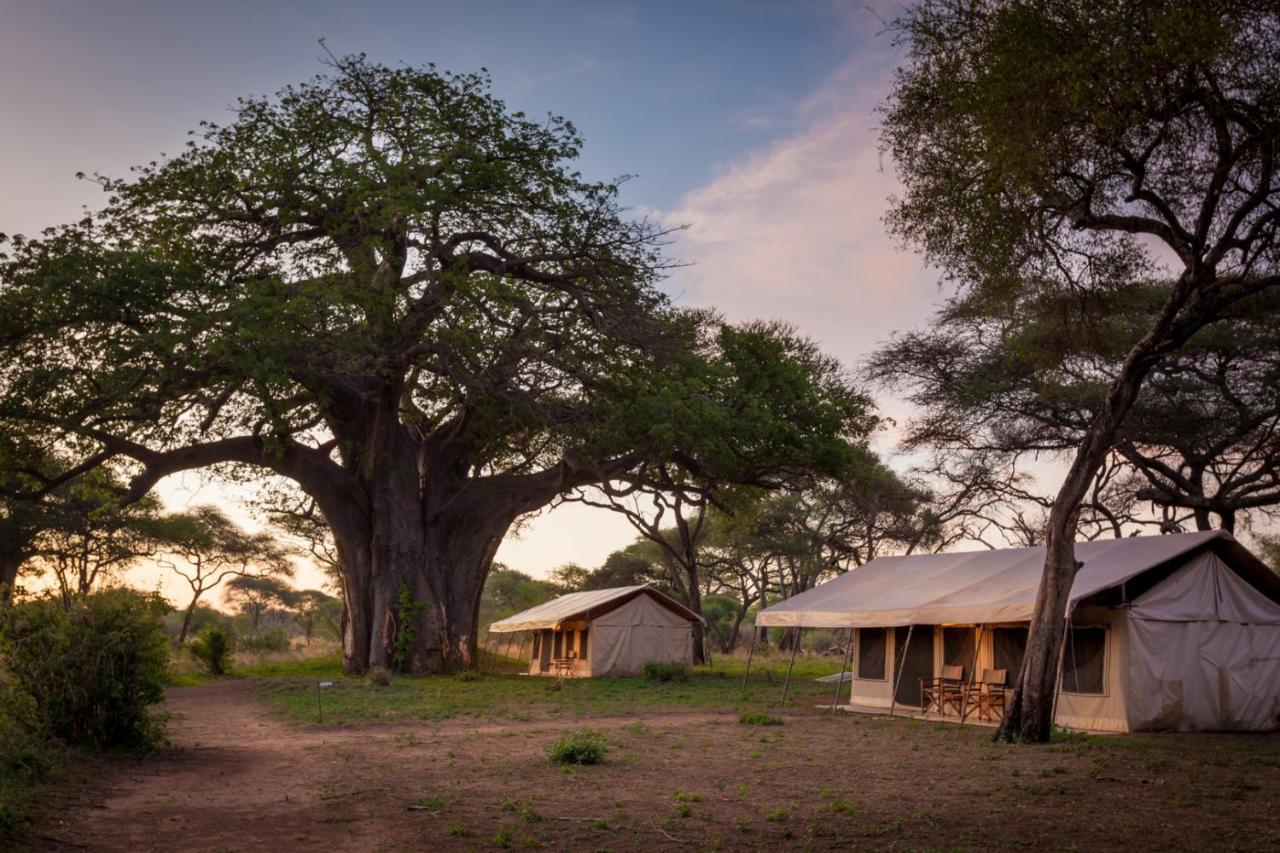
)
(349, 794)
(664, 833)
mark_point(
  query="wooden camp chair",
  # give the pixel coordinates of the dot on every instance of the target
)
(943, 691)
(988, 695)
(562, 667)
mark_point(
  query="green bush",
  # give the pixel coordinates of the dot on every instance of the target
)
(755, 719)
(273, 640)
(213, 647)
(655, 671)
(89, 674)
(581, 746)
(26, 758)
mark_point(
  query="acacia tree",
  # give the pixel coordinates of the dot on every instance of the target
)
(1200, 441)
(381, 285)
(211, 548)
(255, 595)
(1055, 146)
(769, 408)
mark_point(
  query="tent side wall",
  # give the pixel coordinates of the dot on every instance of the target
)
(1106, 711)
(1206, 652)
(642, 630)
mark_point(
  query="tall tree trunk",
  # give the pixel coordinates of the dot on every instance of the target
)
(1029, 717)
(9, 565)
(186, 621)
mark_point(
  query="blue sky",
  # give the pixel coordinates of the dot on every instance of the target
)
(667, 91)
(753, 123)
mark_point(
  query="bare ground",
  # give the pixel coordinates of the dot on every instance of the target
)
(239, 779)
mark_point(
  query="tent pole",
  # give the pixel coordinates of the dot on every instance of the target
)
(755, 634)
(706, 642)
(897, 681)
(795, 645)
(846, 660)
(964, 697)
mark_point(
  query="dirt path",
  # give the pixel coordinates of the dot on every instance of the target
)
(238, 779)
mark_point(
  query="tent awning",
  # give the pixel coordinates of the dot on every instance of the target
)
(970, 587)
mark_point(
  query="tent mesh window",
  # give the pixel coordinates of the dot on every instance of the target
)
(1082, 671)
(958, 647)
(872, 646)
(1009, 645)
(582, 643)
(537, 636)
(559, 645)
(568, 643)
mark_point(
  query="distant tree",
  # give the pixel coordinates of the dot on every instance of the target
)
(88, 536)
(1271, 552)
(1068, 147)
(570, 577)
(206, 548)
(771, 408)
(256, 595)
(313, 608)
(509, 591)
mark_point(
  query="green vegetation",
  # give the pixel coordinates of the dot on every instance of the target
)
(751, 718)
(654, 671)
(290, 687)
(212, 647)
(90, 673)
(581, 746)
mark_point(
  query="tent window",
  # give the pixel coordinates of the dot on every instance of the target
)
(1082, 671)
(582, 643)
(537, 635)
(559, 644)
(1009, 645)
(957, 647)
(872, 646)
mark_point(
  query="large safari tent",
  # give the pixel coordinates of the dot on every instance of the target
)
(604, 632)
(1178, 632)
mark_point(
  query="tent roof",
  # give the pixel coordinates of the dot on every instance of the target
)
(985, 586)
(552, 613)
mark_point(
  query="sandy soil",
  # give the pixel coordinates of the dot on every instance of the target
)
(239, 779)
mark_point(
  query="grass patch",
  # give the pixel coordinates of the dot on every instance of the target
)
(581, 746)
(290, 686)
(755, 718)
(663, 672)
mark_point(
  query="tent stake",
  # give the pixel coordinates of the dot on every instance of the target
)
(847, 659)
(795, 645)
(897, 681)
(964, 697)
(755, 634)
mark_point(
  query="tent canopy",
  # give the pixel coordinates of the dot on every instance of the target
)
(985, 586)
(551, 614)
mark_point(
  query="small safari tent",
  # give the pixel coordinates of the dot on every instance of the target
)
(1177, 632)
(604, 632)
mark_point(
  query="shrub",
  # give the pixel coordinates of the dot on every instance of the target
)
(213, 647)
(273, 640)
(751, 718)
(89, 674)
(26, 758)
(582, 746)
(380, 676)
(655, 671)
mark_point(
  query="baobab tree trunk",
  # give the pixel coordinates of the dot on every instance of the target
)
(413, 578)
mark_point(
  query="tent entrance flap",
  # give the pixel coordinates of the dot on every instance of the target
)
(915, 650)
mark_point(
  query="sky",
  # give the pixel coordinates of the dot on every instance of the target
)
(753, 124)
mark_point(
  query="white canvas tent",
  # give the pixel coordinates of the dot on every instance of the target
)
(605, 632)
(1167, 632)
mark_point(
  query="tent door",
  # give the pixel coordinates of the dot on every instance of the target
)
(916, 662)
(544, 663)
